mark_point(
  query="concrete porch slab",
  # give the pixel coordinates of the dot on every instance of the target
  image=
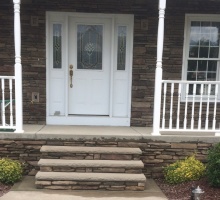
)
(26, 189)
(44, 132)
(77, 132)
(93, 130)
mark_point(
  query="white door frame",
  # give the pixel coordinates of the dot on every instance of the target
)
(60, 100)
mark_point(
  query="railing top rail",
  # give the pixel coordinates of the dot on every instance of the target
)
(191, 82)
(7, 77)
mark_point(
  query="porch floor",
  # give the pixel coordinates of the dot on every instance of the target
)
(105, 132)
(87, 130)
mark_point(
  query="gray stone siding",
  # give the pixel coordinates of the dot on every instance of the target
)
(144, 54)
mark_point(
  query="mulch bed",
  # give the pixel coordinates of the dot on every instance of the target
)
(183, 191)
(4, 189)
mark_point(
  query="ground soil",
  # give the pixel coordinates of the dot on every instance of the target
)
(183, 191)
(4, 189)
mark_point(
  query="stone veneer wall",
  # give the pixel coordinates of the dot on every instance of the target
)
(156, 154)
(144, 57)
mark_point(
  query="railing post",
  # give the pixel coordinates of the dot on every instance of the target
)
(158, 73)
(18, 68)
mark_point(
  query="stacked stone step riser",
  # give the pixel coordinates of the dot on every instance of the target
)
(90, 153)
(82, 185)
(89, 156)
(91, 170)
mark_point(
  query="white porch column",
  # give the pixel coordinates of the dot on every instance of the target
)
(158, 73)
(18, 68)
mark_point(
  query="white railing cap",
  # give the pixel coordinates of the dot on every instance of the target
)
(191, 82)
(7, 77)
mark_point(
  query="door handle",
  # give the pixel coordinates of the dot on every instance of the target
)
(71, 76)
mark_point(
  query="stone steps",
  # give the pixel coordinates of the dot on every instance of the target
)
(90, 153)
(93, 181)
(95, 168)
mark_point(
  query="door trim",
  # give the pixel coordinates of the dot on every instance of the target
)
(63, 118)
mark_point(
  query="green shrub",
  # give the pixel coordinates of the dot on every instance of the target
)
(213, 166)
(10, 171)
(184, 170)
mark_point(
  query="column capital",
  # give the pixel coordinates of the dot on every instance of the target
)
(161, 13)
(16, 6)
(159, 64)
(18, 59)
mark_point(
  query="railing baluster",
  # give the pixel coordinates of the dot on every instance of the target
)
(215, 107)
(200, 106)
(186, 104)
(6, 92)
(207, 110)
(164, 104)
(171, 106)
(178, 107)
(3, 102)
(201, 93)
(11, 102)
(193, 106)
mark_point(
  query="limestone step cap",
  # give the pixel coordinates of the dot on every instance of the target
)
(73, 176)
(97, 150)
(91, 163)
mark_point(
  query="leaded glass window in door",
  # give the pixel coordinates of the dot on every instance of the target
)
(121, 49)
(57, 46)
(89, 46)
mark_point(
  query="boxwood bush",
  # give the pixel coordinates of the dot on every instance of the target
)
(184, 170)
(213, 165)
(10, 171)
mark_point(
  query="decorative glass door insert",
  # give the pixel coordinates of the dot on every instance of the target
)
(121, 54)
(57, 46)
(89, 46)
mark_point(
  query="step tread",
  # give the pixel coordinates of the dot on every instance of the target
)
(97, 150)
(73, 176)
(91, 163)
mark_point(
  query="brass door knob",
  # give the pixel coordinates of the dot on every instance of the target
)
(71, 76)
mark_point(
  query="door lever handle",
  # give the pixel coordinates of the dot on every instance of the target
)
(71, 76)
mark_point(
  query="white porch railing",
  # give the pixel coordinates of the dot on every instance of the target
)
(7, 102)
(190, 106)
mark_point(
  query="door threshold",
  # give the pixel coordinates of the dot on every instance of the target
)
(83, 115)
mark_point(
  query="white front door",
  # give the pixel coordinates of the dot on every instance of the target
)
(89, 57)
(89, 68)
